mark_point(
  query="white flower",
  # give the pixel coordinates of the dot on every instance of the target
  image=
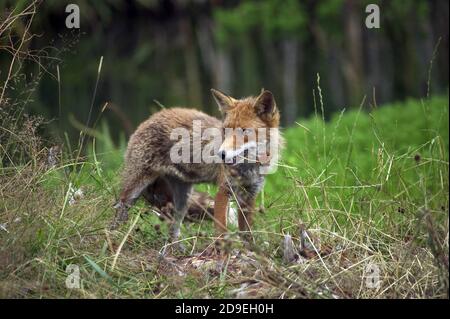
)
(75, 195)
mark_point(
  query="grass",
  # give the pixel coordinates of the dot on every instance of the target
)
(364, 193)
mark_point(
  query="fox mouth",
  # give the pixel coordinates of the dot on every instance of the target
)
(244, 154)
(239, 159)
(232, 162)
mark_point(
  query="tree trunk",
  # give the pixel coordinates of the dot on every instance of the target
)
(439, 20)
(209, 58)
(223, 71)
(290, 66)
(192, 68)
(354, 62)
(334, 76)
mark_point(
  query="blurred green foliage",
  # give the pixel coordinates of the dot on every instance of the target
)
(360, 149)
(175, 51)
(275, 18)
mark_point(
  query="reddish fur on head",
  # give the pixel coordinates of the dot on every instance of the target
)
(247, 113)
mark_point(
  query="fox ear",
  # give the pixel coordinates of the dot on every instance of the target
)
(223, 101)
(265, 105)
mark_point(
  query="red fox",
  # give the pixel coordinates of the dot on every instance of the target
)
(150, 158)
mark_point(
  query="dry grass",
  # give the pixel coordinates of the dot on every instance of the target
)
(46, 228)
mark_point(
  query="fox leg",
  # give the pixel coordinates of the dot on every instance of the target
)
(131, 191)
(220, 210)
(245, 216)
(181, 192)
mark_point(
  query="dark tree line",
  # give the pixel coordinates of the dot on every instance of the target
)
(175, 51)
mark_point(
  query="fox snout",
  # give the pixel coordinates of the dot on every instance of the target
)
(222, 155)
(232, 154)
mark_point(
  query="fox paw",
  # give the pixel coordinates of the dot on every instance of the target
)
(121, 215)
(173, 249)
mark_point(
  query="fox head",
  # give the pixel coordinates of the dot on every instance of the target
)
(247, 125)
